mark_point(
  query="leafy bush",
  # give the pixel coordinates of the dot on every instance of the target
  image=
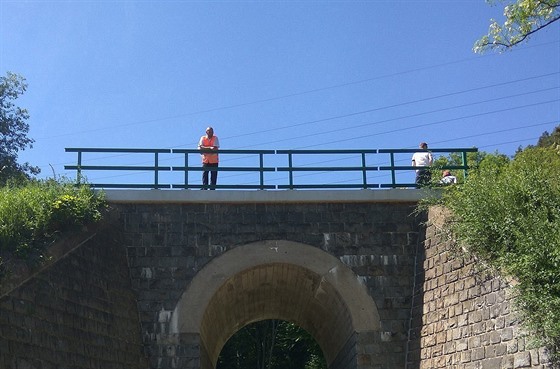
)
(33, 213)
(508, 215)
(473, 159)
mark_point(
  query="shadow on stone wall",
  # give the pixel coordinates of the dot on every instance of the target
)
(77, 311)
(417, 306)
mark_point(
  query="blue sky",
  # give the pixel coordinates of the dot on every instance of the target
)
(273, 75)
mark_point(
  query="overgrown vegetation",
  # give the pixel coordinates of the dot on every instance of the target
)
(507, 214)
(33, 213)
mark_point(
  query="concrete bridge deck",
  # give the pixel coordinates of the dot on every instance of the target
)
(260, 196)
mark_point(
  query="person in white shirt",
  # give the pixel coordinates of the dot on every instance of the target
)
(448, 178)
(423, 160)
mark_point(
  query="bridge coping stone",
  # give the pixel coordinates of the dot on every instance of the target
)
(260, 196)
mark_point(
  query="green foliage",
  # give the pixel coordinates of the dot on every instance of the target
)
(13, 130)
(550, 139)
(522, 19)
(271, 344)
(34, 212)
(507, 214)
(473, 159)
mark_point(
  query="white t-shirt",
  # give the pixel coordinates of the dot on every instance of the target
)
(448, 180)
(422, 159)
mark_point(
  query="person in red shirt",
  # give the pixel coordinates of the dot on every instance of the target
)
(209, 146)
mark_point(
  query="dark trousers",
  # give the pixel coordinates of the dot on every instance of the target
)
(213, 175)
(423, 177)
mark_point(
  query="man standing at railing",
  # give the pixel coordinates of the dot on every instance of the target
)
(423, 159)
(209, 146)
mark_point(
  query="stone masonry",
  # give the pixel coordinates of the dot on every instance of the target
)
(462, 319)
(116, 299)
(78, 312)
(169, 243)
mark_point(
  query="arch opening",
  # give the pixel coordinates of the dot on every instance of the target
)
(277, 291)
(273, 344)
(275, 280)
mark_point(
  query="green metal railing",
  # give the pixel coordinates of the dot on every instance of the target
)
(395, 168)
(364, 169)
(261, 168)
(156, 168)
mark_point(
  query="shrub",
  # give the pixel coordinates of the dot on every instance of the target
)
(508, 215)
(34, 212)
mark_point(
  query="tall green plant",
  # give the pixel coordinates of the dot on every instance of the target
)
(33, 212)
(508, 214)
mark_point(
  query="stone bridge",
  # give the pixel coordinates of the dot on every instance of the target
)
(171, 275)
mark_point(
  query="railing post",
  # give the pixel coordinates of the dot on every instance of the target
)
(364, 174)
(290, 171)
(186, 171)
(79, 171)
(261, 173)
(393, 176)
(156, 169)
(464, 158)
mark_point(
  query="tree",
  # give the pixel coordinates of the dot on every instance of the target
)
(523, 18)
(546, 140)
(13, 129)
(550, 139)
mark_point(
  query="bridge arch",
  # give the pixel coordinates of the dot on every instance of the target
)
(275, 280)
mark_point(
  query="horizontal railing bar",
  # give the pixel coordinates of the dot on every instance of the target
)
(249, 187)
(223, 151)
(333, 151)
(125, 185)
(235, 151)
(225, 169)
(328, 169)
(396, 151)
(115, 167)
(152, 151)
(389, 185)
(410, 167)
(328, 186)
(400, 167)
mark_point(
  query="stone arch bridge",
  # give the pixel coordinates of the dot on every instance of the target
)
(170, 276)
(340, 264)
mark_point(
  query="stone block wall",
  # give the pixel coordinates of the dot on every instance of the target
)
(78, 313)
(107, 303)
(169, 243)
(462, 320)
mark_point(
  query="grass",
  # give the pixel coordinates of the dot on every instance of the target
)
(34, 213)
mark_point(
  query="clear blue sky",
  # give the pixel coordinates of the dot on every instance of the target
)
(273, 75)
